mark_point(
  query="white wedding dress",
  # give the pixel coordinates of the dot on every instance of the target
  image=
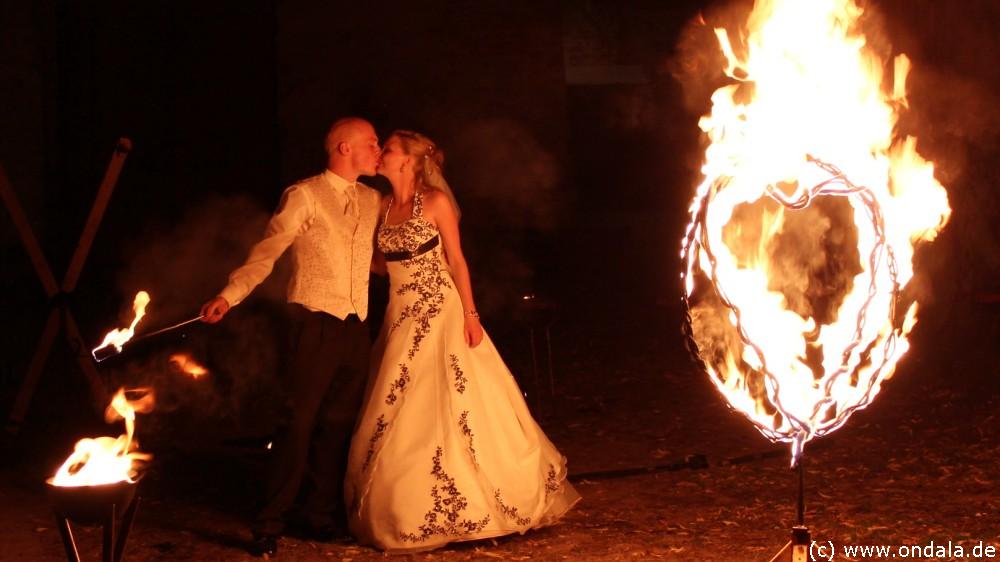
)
(445, 449)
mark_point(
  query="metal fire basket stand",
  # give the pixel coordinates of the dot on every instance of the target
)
(112, 506)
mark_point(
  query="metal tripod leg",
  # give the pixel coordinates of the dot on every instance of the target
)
(67, 537)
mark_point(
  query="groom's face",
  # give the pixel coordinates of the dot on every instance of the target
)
(365, 150)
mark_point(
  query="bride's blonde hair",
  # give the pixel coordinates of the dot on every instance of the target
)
(428, 160)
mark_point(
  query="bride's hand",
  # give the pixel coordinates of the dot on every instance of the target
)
(473, 331)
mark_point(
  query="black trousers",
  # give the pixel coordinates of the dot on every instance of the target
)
(326, 376)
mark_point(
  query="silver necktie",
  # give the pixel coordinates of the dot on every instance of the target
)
(352, 200)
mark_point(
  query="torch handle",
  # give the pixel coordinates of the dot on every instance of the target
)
(174, 327)
(107, 351)
(802, 491)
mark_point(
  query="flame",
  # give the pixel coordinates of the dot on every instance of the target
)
(803, 230)
(188, 365)
(118, 337)
(106, 460)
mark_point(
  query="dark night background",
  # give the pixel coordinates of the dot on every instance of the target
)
(571, 140)
(565, 142)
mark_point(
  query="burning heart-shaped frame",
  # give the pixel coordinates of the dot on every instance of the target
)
(827, 413)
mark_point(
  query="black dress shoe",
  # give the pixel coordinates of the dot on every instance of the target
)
(264, 545)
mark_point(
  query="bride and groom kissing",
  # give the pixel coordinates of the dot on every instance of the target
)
(425, 438)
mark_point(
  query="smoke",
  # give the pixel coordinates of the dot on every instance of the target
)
(954, 112)
(182, 266)
(812, 258)
(500, 167)
(507, 184)
(815, 258)
(719, 343)
(698, 63)
(952, 86)
(185, 263)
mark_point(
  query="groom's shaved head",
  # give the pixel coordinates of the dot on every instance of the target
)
(352, 148)
(347, 129)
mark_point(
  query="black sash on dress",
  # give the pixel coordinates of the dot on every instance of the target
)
(423, 249)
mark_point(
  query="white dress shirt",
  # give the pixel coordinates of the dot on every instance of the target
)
(330, 224)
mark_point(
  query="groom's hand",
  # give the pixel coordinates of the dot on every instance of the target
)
(213, 310)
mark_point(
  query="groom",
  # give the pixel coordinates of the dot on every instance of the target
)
(329, 222)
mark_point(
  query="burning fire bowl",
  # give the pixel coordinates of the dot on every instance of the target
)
(90, 505)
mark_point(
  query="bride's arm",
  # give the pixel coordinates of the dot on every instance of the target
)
(438, 210)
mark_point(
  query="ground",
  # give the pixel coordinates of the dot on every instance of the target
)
(632, 413)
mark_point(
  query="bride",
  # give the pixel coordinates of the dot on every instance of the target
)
(445, 449)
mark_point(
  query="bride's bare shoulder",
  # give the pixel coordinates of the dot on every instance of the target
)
(432, 196)
(436, 201)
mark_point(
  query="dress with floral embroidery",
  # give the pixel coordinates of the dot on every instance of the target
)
(445, 449)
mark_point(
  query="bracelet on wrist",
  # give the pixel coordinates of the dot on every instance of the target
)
(472, 313)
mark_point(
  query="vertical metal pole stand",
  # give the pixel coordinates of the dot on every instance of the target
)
(541, 315)
(115, 529)
(800, 533)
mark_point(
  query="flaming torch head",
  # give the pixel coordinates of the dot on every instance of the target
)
(803, 229)
(118, 337)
